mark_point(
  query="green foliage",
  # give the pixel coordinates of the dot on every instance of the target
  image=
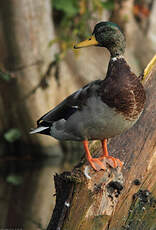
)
(14, 179)
(12, 135)
(69, 7)
(71, 20)
(5, 76)
(109, 4)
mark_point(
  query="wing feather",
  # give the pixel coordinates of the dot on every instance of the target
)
(70, 105)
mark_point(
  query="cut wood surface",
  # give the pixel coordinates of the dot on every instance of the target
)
(114, 199)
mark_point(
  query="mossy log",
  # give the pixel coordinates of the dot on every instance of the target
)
(114, 199)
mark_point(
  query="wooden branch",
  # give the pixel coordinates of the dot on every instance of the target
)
(113, 199)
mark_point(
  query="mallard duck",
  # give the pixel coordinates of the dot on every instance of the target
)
(101, 109)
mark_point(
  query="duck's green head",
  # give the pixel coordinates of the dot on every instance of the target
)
(106, 34)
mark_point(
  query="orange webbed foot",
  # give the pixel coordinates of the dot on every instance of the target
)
(100, 163)
(112, 161)
(97, 163)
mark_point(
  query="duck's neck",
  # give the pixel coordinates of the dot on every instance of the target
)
(117, 66)
(116, 58)
(116, 44)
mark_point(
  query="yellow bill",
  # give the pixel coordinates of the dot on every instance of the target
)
(89, 42)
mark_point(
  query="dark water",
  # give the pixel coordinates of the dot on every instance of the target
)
(27, 191)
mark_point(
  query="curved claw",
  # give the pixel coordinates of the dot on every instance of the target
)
(97, 164)
(116, 161)
(100, 163)
(120, 162)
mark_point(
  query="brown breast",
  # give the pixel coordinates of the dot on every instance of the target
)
(122, 90)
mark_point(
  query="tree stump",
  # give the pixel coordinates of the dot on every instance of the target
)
(113, 199)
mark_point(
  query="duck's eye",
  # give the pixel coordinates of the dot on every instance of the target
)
(89, 39)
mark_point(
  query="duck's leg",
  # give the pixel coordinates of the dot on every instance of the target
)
(116, 161)
(96, 163)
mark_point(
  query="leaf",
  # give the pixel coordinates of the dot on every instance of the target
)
(14, 179)
(12, 135)
(69, 7)
(108, 5)
(52, 42)
(5, 76)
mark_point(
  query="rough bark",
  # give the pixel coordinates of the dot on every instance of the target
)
(112, 199)
(26, 29)
(25, 55)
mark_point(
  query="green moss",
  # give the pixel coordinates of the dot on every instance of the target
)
(142, 213)
(74, 179)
